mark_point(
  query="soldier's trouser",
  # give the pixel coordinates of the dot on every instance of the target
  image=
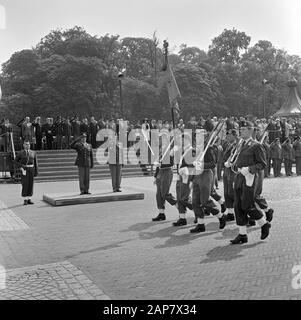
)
(202, 188)
(259, 200)
(183, 192)
(244, 201)
(288, 166)
(228, 179)
(163, 183)
(84, 178)
(219, 170)
(298, 166)
(116, 173)
(267, 169)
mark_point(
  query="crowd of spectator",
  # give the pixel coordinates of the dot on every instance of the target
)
(282, 143)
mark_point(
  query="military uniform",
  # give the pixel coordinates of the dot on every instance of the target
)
(276, 156)
(84, 162)
(297, 148)
(116, 162)
(228, 181)
(202, 189)
(185, 178)
(27, 160)
(163, 179)
(250, 160)
(288, 156)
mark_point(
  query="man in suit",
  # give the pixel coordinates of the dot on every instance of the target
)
(27, 161)
(250, 161)
(84, 162)
(47, 130)
(38, 133)
(93, 129)
(27, 130)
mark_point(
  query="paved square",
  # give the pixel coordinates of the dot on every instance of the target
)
(126, 256)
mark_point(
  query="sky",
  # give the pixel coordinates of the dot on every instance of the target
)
(193, 22)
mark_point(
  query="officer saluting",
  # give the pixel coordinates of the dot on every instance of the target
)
(250, 160)
(27, 160)
(84, 161)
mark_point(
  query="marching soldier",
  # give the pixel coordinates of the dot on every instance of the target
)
(228, 176)
(202, 189)
(163, 179)
(184, 183)
(250, 160)
(84, 161)
(27, 161)
(297, 148)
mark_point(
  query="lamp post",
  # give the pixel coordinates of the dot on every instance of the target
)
(120, 77)
(264, 82)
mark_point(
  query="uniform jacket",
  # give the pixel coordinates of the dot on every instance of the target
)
(267, 150)
(28, 159)
(275, 150)
(47, 130)
(252, 155)
(84, 154)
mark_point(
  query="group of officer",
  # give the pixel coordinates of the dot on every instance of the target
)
(245, 159)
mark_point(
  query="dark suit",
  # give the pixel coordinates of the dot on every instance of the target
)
(47, 130)
(84, 162)
(39, 135)
(28, 162)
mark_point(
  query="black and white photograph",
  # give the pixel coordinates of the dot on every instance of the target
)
(150, 151)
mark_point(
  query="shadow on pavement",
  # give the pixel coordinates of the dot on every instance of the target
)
(228, 253)
(143, 226)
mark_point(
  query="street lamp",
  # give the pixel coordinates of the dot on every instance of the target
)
(120, 77)
(264, 82)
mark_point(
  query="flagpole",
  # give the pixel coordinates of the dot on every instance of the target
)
(166, 67)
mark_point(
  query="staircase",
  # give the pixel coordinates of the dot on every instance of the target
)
(58, 165)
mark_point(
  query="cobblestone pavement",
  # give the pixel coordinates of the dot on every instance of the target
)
(115, 249)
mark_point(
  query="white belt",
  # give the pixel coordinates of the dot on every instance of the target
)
(29, 166)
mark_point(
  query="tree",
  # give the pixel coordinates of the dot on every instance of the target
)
(228, 46)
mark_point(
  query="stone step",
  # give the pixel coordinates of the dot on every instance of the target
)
(93, 177)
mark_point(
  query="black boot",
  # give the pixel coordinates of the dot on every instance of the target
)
(265, 231)
(29, 201)
(223, 207)
(160, 217)
(222, 221)
(25, 203)
(230, 217)
(180, 222)
(241, 238)
(269, 215)
(198, 228)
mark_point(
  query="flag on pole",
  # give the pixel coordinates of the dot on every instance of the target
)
(173, 91)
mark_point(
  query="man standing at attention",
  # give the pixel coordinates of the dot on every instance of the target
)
(84, 161)
(27, 161)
